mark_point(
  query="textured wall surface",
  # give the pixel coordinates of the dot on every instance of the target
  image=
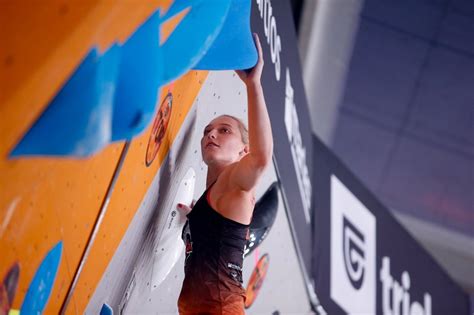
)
(222, 93)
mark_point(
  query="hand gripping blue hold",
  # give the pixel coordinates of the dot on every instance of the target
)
(40, 288)
(234, 47)
(77, 121)
(193, 36)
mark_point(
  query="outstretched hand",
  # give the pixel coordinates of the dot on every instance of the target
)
(253, 75)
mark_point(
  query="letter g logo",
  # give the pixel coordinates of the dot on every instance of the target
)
(353, 257)
(353, 247)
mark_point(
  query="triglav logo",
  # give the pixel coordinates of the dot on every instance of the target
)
(353, 259)
(396, 297)
(353, 253)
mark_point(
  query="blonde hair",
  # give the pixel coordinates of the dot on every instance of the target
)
(242, 127)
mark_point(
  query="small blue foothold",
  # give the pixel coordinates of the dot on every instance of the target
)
(106, 310)
(40, 288)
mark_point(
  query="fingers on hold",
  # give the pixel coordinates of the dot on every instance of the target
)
(185, 207)
(259, 49)
(257, 40)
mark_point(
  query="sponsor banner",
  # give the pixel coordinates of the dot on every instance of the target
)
(353, 238)
(284, 93)
(365, 262)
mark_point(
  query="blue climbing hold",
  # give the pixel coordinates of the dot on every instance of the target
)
(234, 47)
(113, 96)
(40, 287)
(106, 310)
(138, 81)
(194, 36)
(77, 121)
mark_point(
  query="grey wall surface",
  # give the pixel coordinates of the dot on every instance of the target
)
(326, 38)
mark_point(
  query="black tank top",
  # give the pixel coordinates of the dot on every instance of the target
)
(213, 233)
(213, 267)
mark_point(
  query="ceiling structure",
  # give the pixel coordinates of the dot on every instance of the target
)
(390, 87)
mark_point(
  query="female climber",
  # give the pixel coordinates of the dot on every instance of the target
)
(218, 223)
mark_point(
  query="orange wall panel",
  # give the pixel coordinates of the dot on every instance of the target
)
(44, 200)
(133, 182)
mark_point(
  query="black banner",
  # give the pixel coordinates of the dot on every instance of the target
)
(365, 261)
(285, 97)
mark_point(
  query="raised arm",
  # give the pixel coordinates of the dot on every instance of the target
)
(251, 166)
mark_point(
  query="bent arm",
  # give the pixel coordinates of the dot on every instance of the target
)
(250, 167)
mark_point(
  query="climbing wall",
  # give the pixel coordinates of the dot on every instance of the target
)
(134, 292)
(84, 224)
(46, 202)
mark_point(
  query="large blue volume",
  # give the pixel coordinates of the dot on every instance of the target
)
(113, 96)
(234, 47)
